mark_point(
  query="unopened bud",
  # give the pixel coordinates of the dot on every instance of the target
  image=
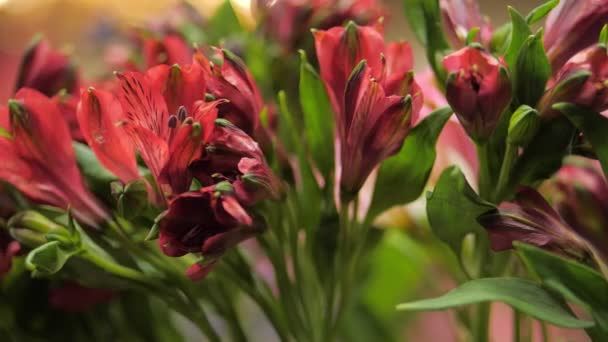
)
(523, 126)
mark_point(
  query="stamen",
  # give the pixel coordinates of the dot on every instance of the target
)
(172, 121)
(182, 113)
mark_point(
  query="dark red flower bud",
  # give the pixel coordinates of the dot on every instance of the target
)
(46, 70)
(571, 27)
(228, 78)
(583, 80)
(478, 89)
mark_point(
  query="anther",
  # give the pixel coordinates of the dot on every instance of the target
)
(182, 113)
(172, 121)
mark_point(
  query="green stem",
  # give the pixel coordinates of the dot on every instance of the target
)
(119, 270)
(516, 326)
(482, 322)
(505, 170)
(485, 176)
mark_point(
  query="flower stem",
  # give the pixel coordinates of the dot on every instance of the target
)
(485, 178)
(505, 170)
(482, 322)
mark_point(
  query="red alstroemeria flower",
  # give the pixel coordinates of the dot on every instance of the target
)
(165, 118)
(38, 158)
(571, 27)
(461, 16)
(530, 219)
(233, 155)
(53, 74)
(478, 89)
(208, 221)
(228, 78)
(373, 93)
(583, 80)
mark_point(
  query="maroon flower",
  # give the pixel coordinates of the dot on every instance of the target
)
(233, 155)
(478, 90)
(208, 221)
(530, 219)
(38, 158)
(571, 27)
(583, 80)
(460, 17)
(374, 96)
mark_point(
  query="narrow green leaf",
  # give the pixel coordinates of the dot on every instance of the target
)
(223, 23)
(532, 70)
(519, 33)
(523, 295)
(575, 281)
(604, 36)
(544, 154)
(540, 12)
(318, 116)
(453, 208)
(5, 134)
(593, 125)
(424, 17)
(409, 170)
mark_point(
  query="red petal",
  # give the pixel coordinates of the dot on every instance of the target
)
(183, 85)
(143, 103)
(185, 146)
(98, 114)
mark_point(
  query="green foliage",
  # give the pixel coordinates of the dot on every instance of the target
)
(223, 24)
(49, 258)
(523, 295)
(531, 72)
(541, 11)
(318, 117)
(520, 31)
(424, 17)
(594, 127)
(575, 281)
(401, 178)
(453, 207)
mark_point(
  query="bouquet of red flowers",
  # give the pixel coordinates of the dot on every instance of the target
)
(235, 178)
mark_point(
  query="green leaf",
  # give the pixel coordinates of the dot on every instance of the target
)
(453, 208)
(424, 17)
(49, 258)
(593, 125)
(318, 116)
(523, 295)
(544, 154)
(540, 12)
(409, 170)
(519, 33)
(575, 281)
(532, 70)
(223, 23)
(309, 191)
(604, 36)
